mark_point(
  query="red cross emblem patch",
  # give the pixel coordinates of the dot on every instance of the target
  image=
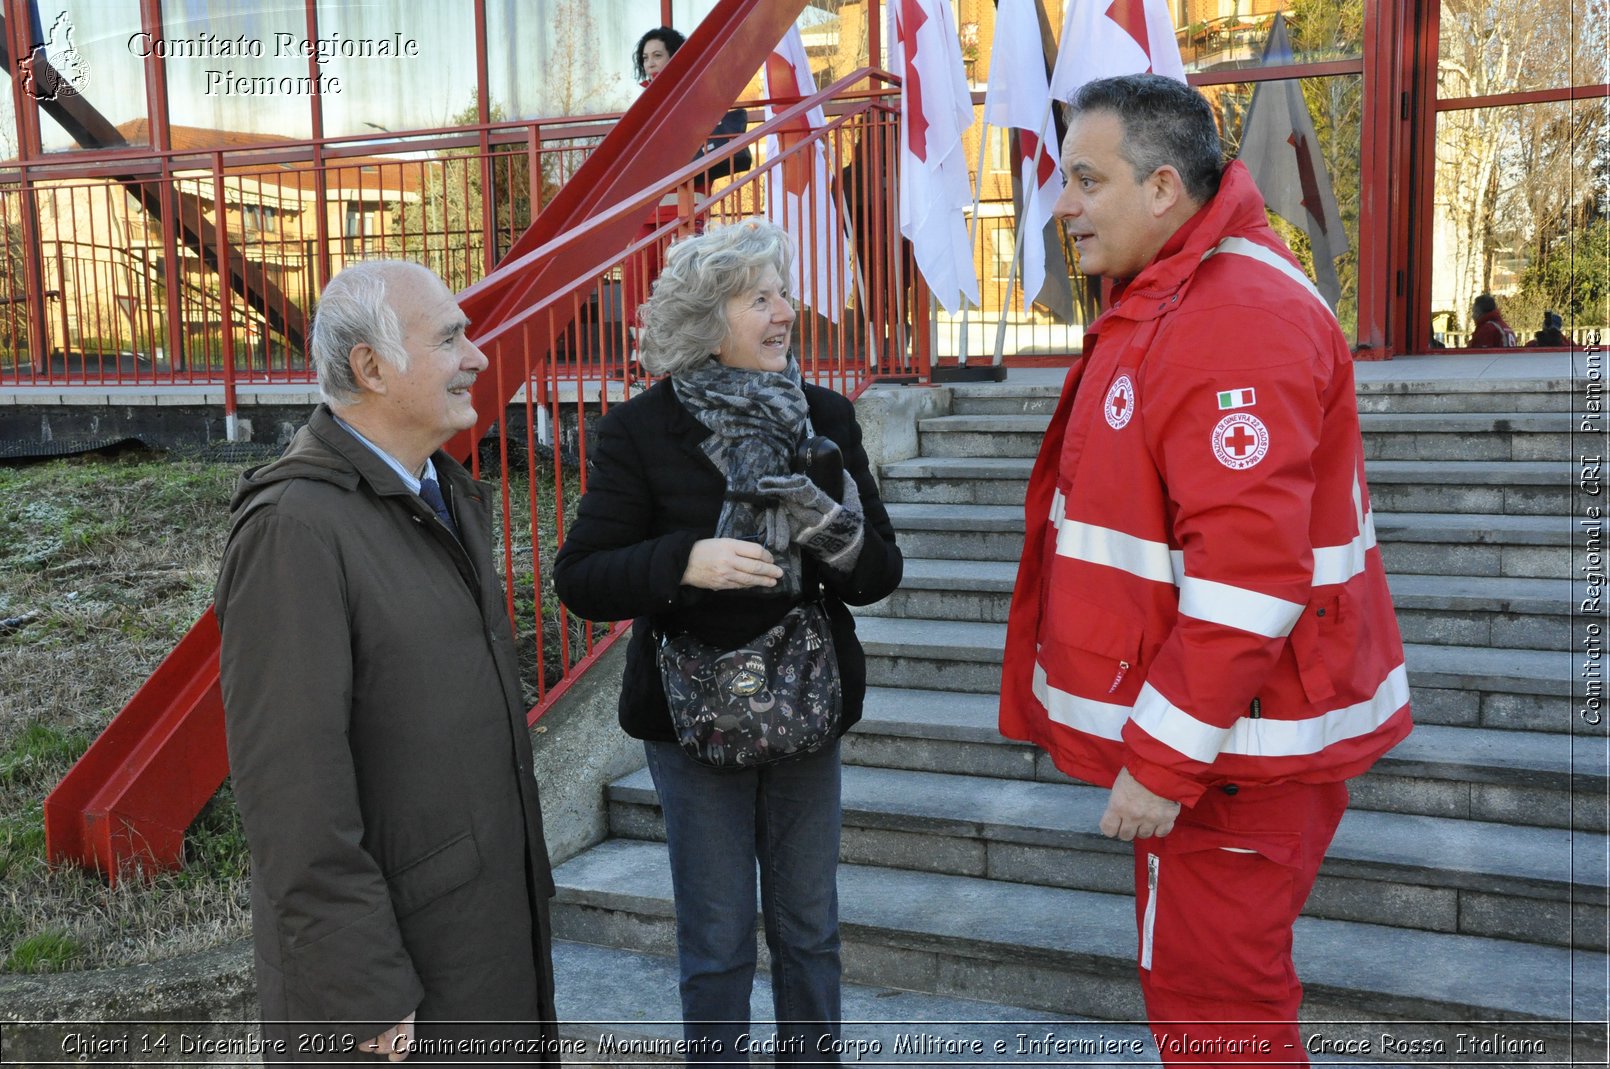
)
(1119, 406)
(1240, 440)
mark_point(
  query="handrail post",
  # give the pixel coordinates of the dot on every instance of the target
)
(226, 293)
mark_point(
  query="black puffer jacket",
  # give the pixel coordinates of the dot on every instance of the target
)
(651, 494)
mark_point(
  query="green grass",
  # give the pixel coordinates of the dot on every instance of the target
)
(39, 747)
(104, 565)
(50, 950)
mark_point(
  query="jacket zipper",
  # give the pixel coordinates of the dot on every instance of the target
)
(1153, 863)
(1117, 680)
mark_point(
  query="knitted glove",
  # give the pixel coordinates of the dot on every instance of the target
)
(830, 531)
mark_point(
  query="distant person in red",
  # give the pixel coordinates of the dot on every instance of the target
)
(1552, 336)
(1491, 330)
(654, 51)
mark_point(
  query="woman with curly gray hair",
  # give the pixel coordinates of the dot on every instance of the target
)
(695, 523)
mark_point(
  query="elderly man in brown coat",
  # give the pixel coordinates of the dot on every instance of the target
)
(377, 733)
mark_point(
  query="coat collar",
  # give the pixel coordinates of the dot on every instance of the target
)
(368, 467)
(1236, 208)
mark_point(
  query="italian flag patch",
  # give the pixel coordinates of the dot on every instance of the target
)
(1237, 399)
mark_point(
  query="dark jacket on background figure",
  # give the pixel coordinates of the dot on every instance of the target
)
(380, 752)
(651, 494)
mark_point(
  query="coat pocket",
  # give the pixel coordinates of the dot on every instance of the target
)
(1216, 910)
(1088, 644)
(1322, 643)
(422, 881)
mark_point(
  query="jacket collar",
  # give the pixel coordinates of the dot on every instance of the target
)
(359, 458)
(1236, 208)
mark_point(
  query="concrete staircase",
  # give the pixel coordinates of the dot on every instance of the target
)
(1467, 883)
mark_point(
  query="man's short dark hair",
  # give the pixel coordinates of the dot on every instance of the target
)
(1165, 123)
(1485, 303)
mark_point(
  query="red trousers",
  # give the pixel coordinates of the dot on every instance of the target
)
(1215, 901)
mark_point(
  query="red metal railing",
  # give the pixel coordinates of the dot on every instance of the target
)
(570, 354)
(127, 262)
(563, 357)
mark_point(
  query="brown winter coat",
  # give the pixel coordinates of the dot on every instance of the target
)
(380, 753)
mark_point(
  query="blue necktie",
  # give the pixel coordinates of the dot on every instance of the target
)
(431, 491)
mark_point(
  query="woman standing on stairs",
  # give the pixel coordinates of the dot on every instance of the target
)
(695, 524)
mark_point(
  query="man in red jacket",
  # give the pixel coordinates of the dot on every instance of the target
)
(1491, 331)
(1201, 619)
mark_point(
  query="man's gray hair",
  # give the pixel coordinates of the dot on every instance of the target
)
(1165, 123)
(685, 321)
(355, 310)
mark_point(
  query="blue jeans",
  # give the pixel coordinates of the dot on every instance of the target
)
(790, 811)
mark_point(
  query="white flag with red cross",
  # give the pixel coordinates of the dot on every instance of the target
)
(1019, 96)
(799, 191)
(1106, 38)
(935, 184)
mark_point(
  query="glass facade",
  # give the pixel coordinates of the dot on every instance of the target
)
(1521, 183)
(1520, 214)
(568, 57)
(86, 52)
(395, 65)
(204, 87)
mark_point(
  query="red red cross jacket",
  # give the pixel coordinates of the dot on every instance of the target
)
(1200, 598)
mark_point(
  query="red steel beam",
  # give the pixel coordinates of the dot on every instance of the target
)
(128, 800)
(130, 797)
(656, 137)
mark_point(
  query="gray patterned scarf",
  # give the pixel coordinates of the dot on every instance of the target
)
(757, 418)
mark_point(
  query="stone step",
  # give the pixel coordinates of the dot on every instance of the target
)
(1431, 873)
(1478, 487)
(1435, 543)
(982, 436)
(624, 1007)
(1537, 436)
(1073, 952)
(1528, 690)
(1498, 487)
(1475, 395)
(1497, 688)
(1440, 609)
(1468, 395)
(1463, 610)
(956, 480)
(969, 590)
(1467, 435)
(959, 532)
(1004, 400)
(1509, 777)
(1422, 543)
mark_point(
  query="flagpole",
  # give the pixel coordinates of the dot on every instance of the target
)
(972, 231)
(1017, 245)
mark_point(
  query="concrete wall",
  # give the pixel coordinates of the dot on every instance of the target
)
(888, 416)
(580, 749)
